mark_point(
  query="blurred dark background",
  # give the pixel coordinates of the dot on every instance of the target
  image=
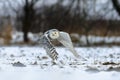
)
(88, 18)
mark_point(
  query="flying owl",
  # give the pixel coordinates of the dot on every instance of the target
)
(60, 36)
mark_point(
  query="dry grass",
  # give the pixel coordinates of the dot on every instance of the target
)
(6, 35)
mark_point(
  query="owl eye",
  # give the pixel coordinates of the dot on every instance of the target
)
(55, 32)
(53, 35)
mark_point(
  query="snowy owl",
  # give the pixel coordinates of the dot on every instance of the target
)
(60, 36)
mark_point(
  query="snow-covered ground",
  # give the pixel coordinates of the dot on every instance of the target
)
(32, 63)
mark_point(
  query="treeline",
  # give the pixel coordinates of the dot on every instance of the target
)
(73, 16)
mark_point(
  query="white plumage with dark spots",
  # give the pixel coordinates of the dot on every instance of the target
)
(62, 37)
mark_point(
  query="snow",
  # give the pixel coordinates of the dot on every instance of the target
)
(18, 37)
(99, 39)
(32, 63)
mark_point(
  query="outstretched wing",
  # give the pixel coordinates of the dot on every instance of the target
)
(49, 47)
(66, 41)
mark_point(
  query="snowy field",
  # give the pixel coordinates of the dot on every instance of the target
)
(32, 63)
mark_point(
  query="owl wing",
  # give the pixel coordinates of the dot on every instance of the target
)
(66, 41)
(49, 47)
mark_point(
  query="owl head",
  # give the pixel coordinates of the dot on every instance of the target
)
(53, 33)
